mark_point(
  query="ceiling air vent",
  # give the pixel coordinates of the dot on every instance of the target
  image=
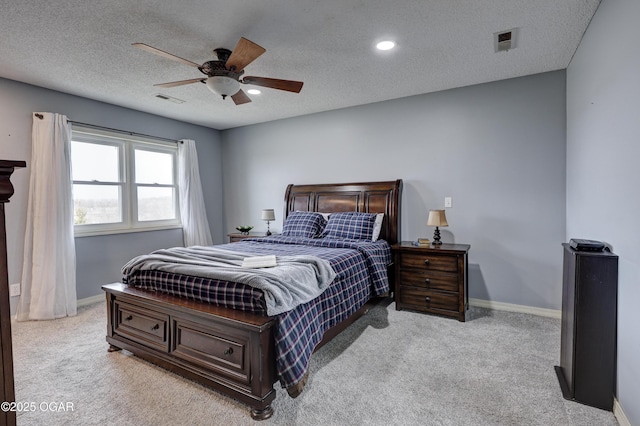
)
(169, 98)
(505, 40)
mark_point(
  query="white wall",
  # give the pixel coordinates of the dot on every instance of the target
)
(99, 259)
(603, 148)
(498, 149)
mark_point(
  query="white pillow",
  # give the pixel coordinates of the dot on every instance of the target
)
(377, 226)
(325, 215)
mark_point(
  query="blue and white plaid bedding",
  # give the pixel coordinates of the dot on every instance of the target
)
(361, 272)
(304, 224)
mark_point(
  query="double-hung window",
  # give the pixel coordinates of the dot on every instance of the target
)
(122, 183)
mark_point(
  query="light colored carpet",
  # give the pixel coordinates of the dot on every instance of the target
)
(389, 367)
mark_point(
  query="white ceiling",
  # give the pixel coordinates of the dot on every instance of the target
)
(83, 47)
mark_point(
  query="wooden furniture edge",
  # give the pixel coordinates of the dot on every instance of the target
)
(7, 168)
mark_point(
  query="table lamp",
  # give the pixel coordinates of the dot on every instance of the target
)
(437, 218)
(268, 215)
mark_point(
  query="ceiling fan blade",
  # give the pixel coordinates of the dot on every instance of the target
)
(164, 54)
(180, 83)
(245, 52)
(240, 97)
(274, 83)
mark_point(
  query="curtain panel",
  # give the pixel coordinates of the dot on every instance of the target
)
(195, 226)
(49, 263)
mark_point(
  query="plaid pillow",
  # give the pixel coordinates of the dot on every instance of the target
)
(351, 225)
(303, 224)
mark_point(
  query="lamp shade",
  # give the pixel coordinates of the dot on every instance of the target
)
(437, 218)
(268, 214)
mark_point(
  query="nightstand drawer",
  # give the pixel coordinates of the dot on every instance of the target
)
(427, 279)
(429, 262)
(422, 299)
(142, 325)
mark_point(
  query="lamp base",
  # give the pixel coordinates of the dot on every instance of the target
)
(436, 237)
(268, 231)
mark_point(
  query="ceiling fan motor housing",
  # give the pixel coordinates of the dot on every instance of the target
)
(217, 68)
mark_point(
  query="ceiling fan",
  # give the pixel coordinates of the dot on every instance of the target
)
(224, 75)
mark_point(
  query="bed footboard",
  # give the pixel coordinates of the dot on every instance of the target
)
(227, 350)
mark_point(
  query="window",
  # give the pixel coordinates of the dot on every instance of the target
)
(122, 183)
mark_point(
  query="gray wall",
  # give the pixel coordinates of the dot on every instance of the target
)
(98, 258)
(603, 129)
(497, 149)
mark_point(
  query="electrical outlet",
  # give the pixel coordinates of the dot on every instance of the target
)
(447, 202)
(14, 290)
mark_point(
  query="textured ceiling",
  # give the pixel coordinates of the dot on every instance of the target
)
(83, 47)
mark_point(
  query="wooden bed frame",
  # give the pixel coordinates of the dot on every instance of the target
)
(228, 350)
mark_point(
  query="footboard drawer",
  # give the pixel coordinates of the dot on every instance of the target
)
(142, 325)
(216, 348)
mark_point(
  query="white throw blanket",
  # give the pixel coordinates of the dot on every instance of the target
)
(295, 279)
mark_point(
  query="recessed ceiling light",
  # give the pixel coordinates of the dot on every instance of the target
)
(385, 45)
(253, 92)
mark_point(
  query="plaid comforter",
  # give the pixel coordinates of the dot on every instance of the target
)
(361, 272)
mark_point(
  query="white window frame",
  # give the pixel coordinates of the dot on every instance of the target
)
(127, 144)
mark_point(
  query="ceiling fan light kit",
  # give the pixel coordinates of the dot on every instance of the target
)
(223, 74)
(221, 85)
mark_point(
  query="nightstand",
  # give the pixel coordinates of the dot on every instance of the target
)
(432, 279)
(237, 236)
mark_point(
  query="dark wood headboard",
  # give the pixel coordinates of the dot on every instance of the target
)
(368, 197)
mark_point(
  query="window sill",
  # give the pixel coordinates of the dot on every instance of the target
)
(95, 233)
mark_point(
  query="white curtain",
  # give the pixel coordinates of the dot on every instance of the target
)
(49, 265)
(195, 226)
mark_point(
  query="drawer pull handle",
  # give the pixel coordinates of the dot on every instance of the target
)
(129, 318)
(228, 351)
(427, 299)
(426, 262)
(427, 280)
(155, 327)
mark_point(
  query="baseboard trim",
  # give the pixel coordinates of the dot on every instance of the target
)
(619, 414)
(510, 307)
(91, 300)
